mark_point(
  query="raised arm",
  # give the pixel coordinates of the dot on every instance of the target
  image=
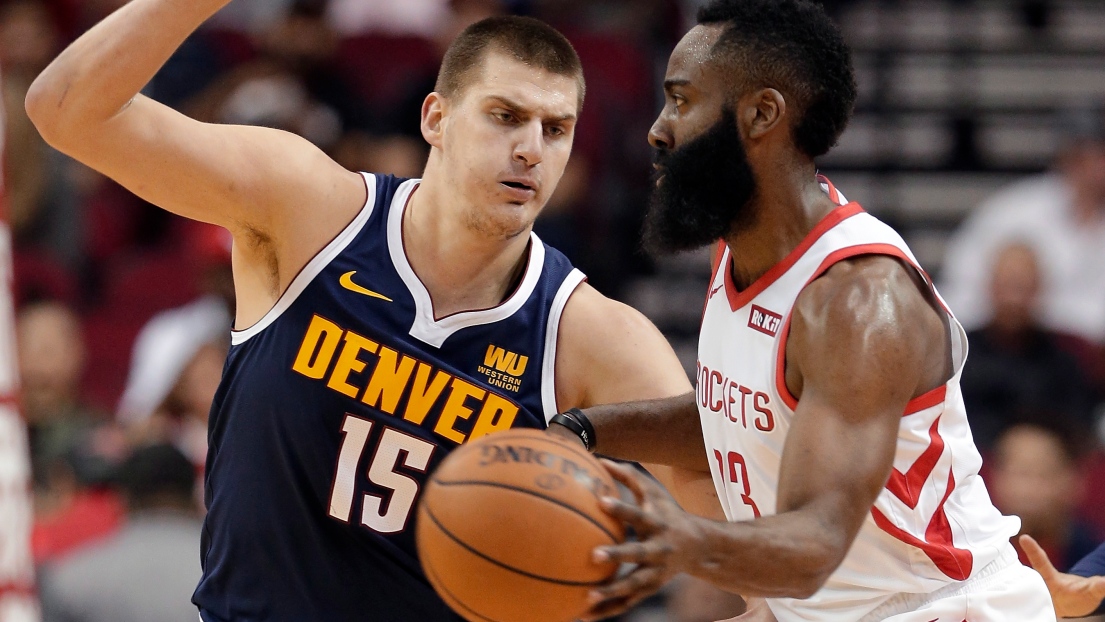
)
(254, 181)
(864, 340)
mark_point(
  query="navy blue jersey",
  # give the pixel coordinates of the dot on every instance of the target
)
(1092, 565)
(335, 406)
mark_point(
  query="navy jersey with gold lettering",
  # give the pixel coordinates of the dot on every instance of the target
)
(335, 406)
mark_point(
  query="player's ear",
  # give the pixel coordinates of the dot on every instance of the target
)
(762, 111)
(433, 118)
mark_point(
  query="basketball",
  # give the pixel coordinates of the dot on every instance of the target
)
(507, 524)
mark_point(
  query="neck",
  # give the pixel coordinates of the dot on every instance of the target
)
(786, 211)
(463, 269)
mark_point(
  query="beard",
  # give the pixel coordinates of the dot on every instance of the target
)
(702, 191)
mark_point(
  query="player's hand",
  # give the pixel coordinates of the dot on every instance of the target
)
(666, 540)
(1074, 596)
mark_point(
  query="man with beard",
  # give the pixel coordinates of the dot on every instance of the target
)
(828, 404)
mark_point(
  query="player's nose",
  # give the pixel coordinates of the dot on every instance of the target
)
(531, 143)
(660, 136)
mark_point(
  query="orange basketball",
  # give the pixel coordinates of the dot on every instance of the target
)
(507, 524)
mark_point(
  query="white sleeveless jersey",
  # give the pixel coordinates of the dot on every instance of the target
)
(932, 524)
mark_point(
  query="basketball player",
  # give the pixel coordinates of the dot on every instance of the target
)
(381, 322)
(828, 403)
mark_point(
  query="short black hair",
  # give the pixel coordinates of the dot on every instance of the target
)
(792, 46)
(530, 41)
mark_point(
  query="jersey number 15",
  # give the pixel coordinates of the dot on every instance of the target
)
(393, 449)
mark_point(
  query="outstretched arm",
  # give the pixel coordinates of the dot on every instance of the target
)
(609, 353)
(616, 365)
(863, 342)
(253, 181)
(1075, 595)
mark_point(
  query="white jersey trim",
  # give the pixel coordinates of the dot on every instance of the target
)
(552, 332)
(313, 267)
(428, 329)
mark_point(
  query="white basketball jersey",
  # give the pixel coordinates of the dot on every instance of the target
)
(932, 524)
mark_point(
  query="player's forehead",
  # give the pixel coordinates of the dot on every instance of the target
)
(538, 91)
(690, 61)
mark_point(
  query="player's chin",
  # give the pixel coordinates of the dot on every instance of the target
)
(508, 220)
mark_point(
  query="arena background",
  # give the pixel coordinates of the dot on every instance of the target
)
(958, 100)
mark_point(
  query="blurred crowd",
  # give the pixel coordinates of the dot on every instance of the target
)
(124, 310)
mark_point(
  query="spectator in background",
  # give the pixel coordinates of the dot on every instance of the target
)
(1035, 475)
(147, 571)
(1061, 216)
(51, 365)
(29, 39)
(27, 43)
(70, 447)
(1015, 364)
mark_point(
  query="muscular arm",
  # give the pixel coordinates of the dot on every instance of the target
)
(864, 340)
(254, 181)
(609, 353)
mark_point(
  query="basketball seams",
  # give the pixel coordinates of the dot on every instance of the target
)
(523, 433)
(458, 546)
(475, 482)
(429, 513)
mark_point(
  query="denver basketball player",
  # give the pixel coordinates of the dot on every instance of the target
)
(381, 322)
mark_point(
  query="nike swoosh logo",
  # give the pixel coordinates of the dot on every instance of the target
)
(346, 281)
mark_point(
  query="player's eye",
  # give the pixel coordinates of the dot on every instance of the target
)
(505, 117)
(555, 131)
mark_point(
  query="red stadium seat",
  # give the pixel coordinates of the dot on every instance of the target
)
(39, 276)
(135, 290)
(383, 68)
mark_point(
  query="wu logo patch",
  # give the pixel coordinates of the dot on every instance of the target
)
(503, 368)
(767, 322)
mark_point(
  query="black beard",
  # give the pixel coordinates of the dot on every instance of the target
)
(704, 191)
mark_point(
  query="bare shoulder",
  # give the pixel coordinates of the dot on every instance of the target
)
(870, 292)
(591, 315)
(609, 352)
(868, 313)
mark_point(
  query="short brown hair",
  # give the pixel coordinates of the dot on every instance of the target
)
(527, 40)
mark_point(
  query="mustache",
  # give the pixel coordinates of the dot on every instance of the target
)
(661, 157)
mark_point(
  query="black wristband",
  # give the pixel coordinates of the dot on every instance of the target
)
(588, 428)
(568, 421)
